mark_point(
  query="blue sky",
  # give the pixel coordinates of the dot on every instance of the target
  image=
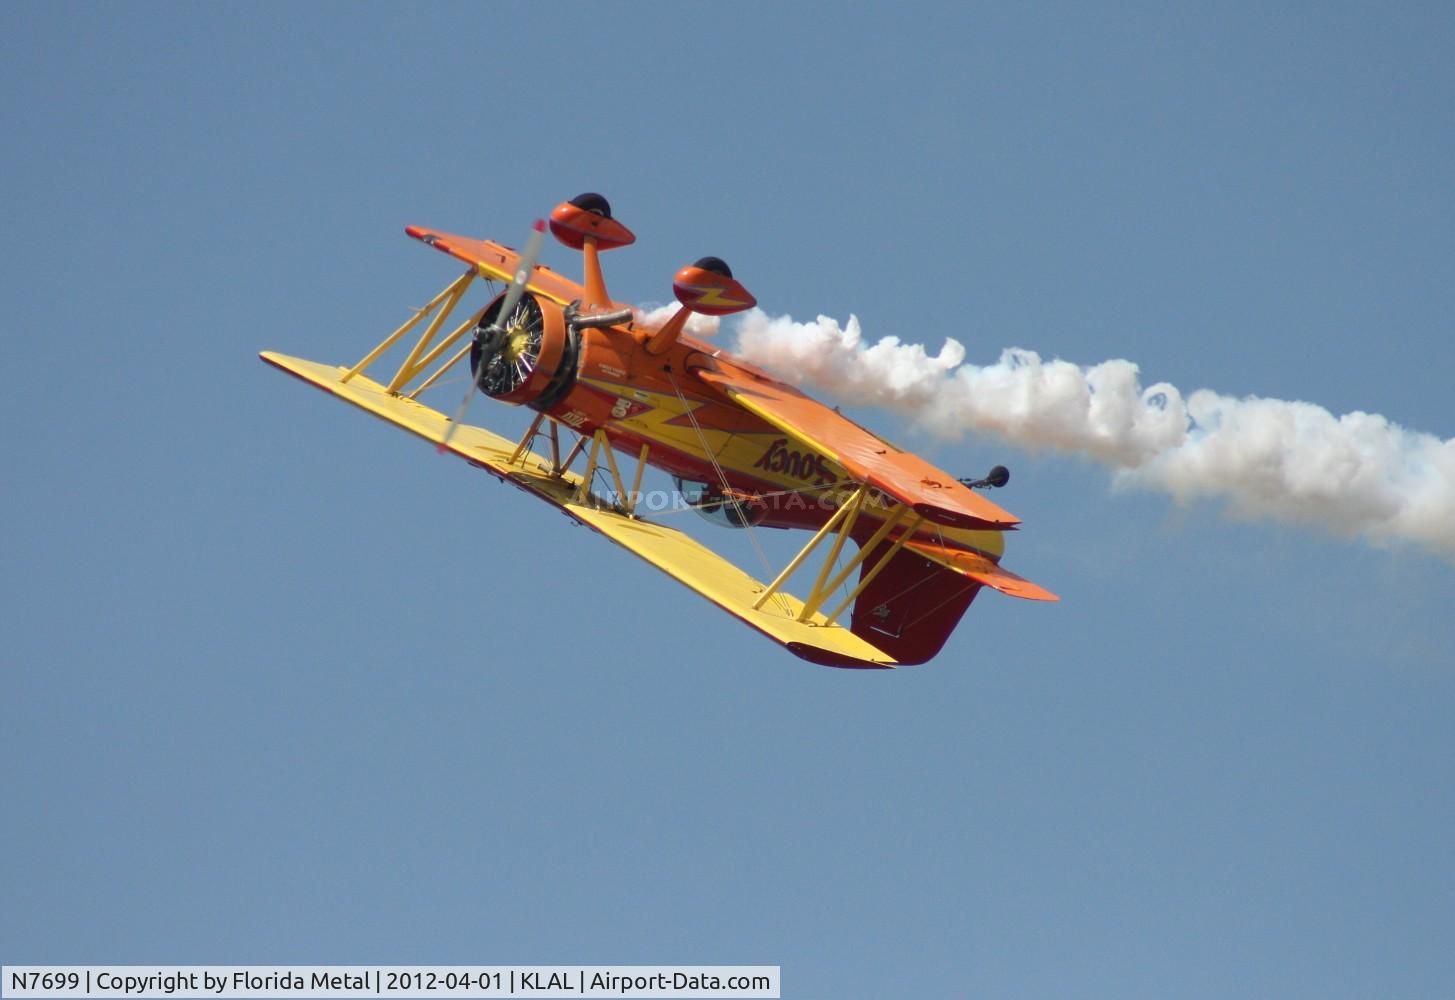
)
(282, 685)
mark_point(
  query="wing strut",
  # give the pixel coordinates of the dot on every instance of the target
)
(623, 502)
(599, 443)
(849, 509)
(820, 593)
(844, 520)
(527, 438)
(877, 568)
(412, 366)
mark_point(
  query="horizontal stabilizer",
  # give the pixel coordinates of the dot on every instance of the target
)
(981, 569)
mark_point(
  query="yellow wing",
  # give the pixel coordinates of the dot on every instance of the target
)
(671, 551)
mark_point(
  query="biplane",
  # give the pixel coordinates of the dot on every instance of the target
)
(619, 392)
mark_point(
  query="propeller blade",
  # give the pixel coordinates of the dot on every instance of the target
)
(523, 271)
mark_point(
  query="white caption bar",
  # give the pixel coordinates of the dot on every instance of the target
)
(248, 981)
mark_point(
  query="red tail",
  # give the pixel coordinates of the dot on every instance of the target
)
(912, 606)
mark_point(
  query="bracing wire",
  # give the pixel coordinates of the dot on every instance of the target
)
(723, 480)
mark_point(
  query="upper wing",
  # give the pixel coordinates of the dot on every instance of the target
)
(495, 260)
(932, 493)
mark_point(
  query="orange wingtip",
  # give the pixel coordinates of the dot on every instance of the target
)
(430, 238)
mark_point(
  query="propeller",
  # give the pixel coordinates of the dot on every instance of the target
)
(523, 271)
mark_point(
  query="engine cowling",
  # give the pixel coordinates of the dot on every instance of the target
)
(528, 357)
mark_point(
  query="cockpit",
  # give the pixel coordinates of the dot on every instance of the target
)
(720, 510)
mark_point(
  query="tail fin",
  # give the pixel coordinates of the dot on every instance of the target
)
(910, 608)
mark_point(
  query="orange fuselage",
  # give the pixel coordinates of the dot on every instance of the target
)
(696, 434)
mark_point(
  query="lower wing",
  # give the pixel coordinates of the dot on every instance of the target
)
(668, 549)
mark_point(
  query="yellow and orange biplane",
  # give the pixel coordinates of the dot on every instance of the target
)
(743, 448)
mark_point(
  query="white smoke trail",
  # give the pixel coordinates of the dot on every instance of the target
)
(1356, 474)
